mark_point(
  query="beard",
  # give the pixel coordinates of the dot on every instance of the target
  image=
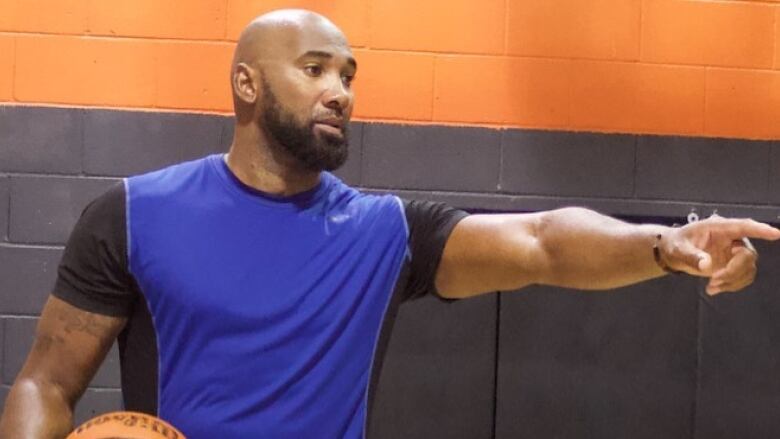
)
(312, 152)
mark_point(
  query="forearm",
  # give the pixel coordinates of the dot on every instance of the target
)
(579, 248)
(587, 250)
(35, 410)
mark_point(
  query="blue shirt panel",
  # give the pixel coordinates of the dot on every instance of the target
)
(267, 310)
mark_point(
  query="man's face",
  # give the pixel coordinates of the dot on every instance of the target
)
(307, 102)
(315, 148)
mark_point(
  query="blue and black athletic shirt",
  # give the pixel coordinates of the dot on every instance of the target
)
(251, 315)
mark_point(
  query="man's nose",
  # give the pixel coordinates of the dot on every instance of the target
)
(337, 96)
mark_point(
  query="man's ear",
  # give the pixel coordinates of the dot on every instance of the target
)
(245, 81)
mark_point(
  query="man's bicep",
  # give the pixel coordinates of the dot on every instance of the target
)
(487, 253)
(94, 271)
(70, 344)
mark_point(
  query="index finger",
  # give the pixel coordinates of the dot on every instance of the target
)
(746, 228)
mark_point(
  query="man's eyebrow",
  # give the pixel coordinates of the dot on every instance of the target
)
(327, 55)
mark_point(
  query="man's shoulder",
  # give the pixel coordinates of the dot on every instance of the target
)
(109, 205)
(369, 199)
(172, 173)
(189, 180)
(371, 207)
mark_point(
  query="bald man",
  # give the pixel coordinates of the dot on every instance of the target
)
(249, 291)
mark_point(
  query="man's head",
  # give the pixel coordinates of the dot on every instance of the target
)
(291, 75)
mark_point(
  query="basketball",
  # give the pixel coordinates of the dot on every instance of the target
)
(125, 425)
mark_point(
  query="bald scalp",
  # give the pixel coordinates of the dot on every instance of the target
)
(278, 32)
(276, 36)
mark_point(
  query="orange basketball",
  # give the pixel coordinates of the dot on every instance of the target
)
(125, 425)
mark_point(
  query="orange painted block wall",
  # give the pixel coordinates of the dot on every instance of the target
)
(687, 67)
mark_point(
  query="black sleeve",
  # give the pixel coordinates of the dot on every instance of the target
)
(430, 225)
(93, 274)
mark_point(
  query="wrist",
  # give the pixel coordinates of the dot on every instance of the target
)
(659, 255)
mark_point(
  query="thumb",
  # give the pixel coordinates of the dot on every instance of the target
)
(694, 260)
(705, 261)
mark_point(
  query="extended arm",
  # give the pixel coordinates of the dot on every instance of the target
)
(579, 248)
(69, 346)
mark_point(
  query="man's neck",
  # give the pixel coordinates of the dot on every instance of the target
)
(255, 164)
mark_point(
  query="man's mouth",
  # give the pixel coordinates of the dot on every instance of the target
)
(331, 126)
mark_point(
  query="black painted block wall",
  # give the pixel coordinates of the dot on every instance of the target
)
(604, 365)
(655, 358)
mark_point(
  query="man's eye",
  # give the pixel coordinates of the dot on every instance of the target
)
(348, 79)
(313, 70)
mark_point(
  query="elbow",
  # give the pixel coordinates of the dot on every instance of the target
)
(550, 232)
(47, 392)
(548, 225)
(34, 406)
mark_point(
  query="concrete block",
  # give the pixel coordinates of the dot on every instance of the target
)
(121, 143)
(774, 175)
(718, 170)
(19, 336)
(27, 276)
(5, 184)
(567, 164)
(45, 209)
(431, 157)
(41, 140)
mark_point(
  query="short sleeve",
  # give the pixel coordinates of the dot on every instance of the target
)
(430, 225)
(93, 274)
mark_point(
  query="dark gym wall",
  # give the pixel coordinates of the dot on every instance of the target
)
(544, 362)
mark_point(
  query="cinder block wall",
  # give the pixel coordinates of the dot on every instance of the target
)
(693, 67)
(640, 108)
